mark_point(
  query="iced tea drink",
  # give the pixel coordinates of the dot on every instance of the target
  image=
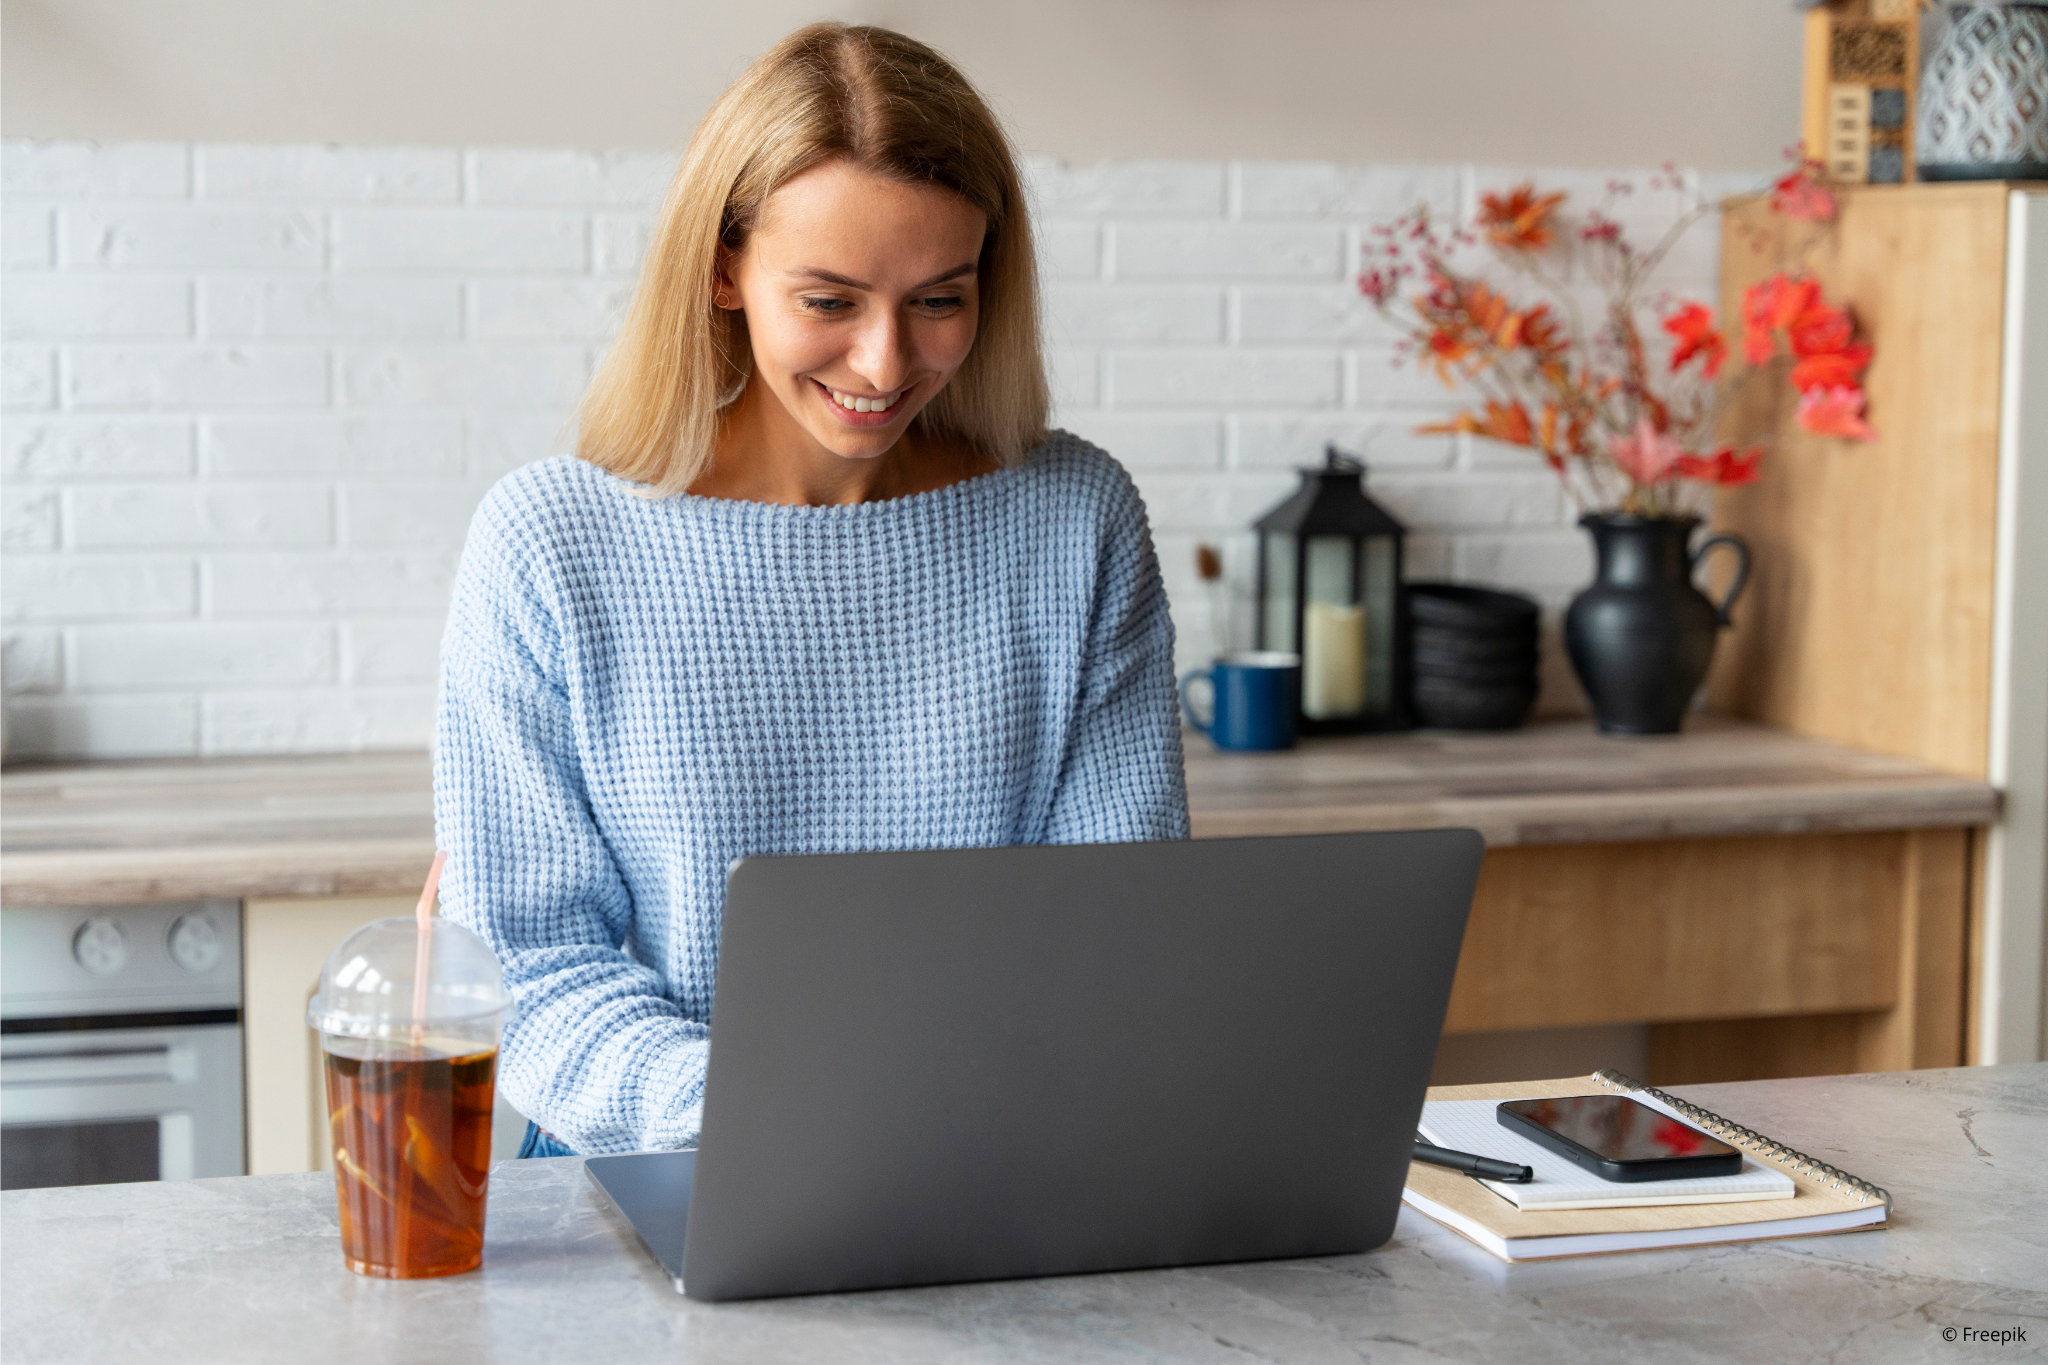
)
(412, 1159)
(409, 1013)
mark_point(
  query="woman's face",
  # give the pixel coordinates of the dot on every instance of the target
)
(860, 293)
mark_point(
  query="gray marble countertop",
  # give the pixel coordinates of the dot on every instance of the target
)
(229, 1271)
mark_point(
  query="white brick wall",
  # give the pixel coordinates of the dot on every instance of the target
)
(252, 394)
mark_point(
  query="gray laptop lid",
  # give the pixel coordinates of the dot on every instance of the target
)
(988, 1063)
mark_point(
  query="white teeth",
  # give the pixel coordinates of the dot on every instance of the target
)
(853, 404)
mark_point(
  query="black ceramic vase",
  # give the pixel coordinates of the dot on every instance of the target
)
(1642, 635)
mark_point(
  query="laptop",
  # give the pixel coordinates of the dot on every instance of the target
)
(979, 1064)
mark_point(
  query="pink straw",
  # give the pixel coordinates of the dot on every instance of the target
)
(426, 918)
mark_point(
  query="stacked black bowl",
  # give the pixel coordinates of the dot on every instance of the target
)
(1474, 656)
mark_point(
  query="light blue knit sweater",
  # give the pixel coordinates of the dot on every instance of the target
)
(637, 691)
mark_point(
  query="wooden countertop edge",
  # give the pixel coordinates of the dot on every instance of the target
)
(391, 867)
(126, 876)
(1608, 818)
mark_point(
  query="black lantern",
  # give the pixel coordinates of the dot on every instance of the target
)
(1330, 591)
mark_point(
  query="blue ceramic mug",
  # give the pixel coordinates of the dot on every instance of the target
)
(1251, 700)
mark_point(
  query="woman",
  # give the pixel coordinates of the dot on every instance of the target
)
(816, 579)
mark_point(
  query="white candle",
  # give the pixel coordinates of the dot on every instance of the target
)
(1332, 660)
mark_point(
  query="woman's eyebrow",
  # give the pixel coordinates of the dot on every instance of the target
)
(955, 273)
(830, 277)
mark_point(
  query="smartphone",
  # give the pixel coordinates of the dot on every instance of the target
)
(1618, 1139)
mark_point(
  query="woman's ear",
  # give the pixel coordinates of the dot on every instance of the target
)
(724, 293)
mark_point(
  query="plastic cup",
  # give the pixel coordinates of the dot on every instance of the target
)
(410, 1080)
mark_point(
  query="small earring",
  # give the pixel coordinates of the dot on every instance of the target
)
(719, 301)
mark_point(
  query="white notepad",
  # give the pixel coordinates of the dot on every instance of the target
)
(1470, 1126)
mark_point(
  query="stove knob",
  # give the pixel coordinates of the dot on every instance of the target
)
(195, 941)
(100, 946)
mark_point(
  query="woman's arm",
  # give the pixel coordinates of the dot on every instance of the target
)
(597, 1054)
(1122, 778)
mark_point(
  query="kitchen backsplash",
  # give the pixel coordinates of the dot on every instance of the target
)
(252, 394)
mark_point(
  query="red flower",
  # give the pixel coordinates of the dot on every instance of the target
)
(1443, 350)
(1646, 455)
(1694, 327)
(1835, 412)
(1377, 285)
(1801, 196)
(1490, 314)
(1540, 332)
(1820, 330)
(1791, 300)
(1519, 219)
(1502, 421)
(1767, 306)
(1820, 335)
(1724, 466)
(1831, 369)
(1600, 228)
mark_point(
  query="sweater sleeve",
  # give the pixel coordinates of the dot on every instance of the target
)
(596, 1053)
(1122, 778)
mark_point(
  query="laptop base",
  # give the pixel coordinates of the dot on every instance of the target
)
(652, 1190)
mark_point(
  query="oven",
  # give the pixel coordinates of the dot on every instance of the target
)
(120, 1043)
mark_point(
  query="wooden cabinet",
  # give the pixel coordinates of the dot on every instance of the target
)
(1900, 600)
(1739, 903)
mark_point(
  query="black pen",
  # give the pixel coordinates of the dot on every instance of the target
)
(1485, 1167)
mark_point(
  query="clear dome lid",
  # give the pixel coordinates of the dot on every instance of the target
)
(366, 988)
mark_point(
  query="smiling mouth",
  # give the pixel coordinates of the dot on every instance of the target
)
(855, 402)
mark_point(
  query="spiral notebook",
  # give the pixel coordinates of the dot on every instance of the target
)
(1823, 1199)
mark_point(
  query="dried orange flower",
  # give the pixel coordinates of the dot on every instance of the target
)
(1520, 219)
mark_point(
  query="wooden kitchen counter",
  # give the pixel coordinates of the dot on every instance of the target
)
(1565, 783)
(182, 829)
(1768, 905)
(362, 825)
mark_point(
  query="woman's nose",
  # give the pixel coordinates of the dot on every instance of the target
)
(881, 352)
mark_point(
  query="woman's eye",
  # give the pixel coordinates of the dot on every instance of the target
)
(826, 305)
(943, 303)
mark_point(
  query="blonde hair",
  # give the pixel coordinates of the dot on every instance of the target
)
(889, 105)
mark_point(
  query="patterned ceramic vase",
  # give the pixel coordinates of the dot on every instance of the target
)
(1984, 96)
